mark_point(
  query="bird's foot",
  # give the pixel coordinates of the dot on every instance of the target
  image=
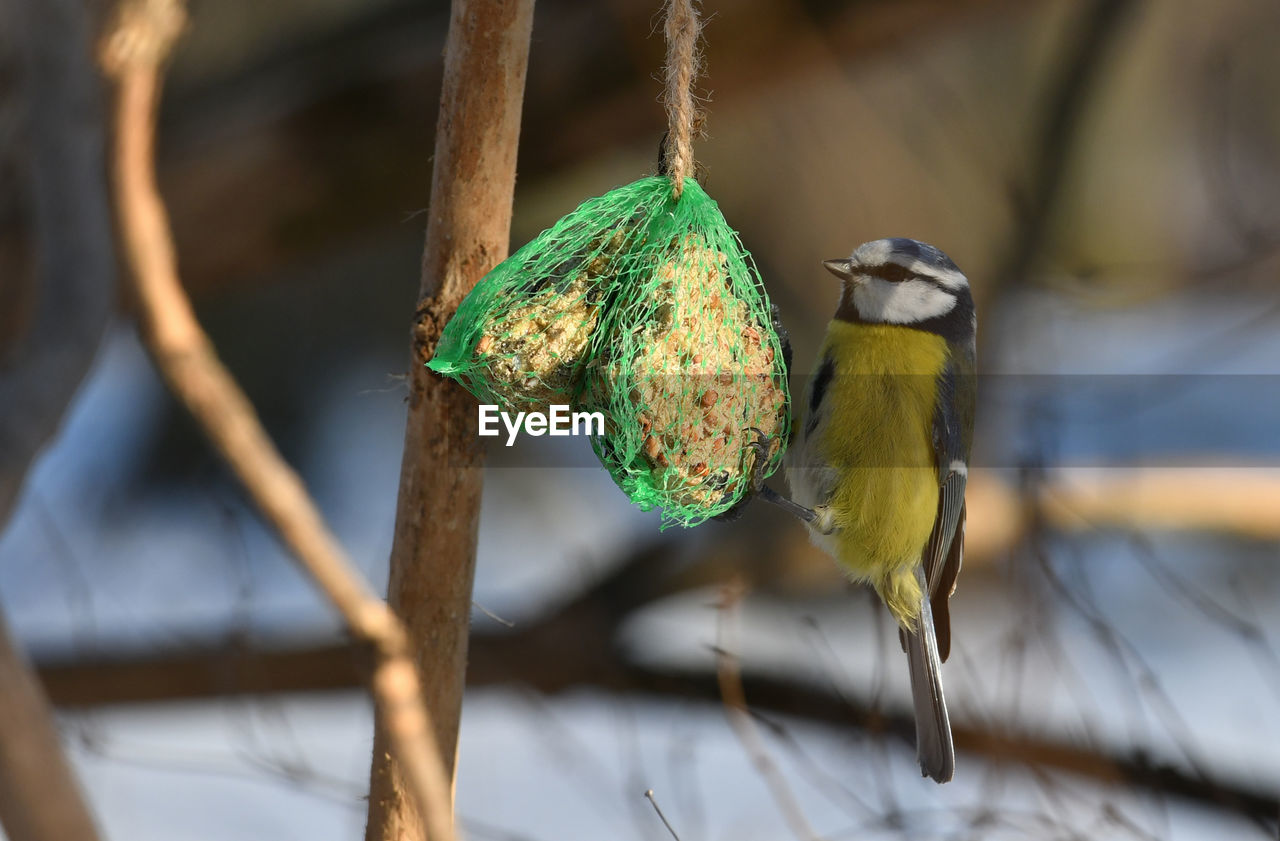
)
(820, 518)
(824, 519)
(760, 448)
(761, 445)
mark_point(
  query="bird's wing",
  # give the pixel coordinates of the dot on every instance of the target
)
(817, 392)
(939, 598)
(952, 438)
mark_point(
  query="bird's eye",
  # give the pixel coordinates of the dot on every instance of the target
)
(893, 273)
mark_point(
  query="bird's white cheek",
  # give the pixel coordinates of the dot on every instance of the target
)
(907, 302)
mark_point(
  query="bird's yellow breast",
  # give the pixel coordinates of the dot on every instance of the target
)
(876, 431)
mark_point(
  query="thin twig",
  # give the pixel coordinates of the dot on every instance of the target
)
(653, 801)
(744, 727)
(134, 51)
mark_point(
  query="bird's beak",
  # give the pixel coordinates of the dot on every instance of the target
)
(842, 269)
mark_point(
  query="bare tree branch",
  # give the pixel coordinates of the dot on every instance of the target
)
(55, 306)
(533, 655)
(133, 52)
(729, 679)
(502, 660)
(1067, 99)
(1240, 501)
(70, 273)
(469, 227)
(39, 798)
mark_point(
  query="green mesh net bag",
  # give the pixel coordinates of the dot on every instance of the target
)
(690, 364)
(522, 337)
(646, 308)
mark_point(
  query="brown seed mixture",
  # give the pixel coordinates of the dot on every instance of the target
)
(698, 377)
(535, 349)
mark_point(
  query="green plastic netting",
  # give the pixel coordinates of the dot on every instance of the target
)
(647, 309)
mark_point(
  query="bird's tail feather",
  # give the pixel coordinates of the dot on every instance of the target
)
(934, 747)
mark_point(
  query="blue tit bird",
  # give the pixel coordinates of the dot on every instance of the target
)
(879, 464)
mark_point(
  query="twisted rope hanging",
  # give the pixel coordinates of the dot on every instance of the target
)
(682, 31)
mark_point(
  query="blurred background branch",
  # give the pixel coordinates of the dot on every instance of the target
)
(1065, 106)
(40, 799)
(55, 286)
(578, 644)
(134, 51)
(57, 282)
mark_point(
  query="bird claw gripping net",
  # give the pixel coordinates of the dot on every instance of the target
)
(646, 308)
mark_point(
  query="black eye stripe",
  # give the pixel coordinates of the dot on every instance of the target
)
(892, 272)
